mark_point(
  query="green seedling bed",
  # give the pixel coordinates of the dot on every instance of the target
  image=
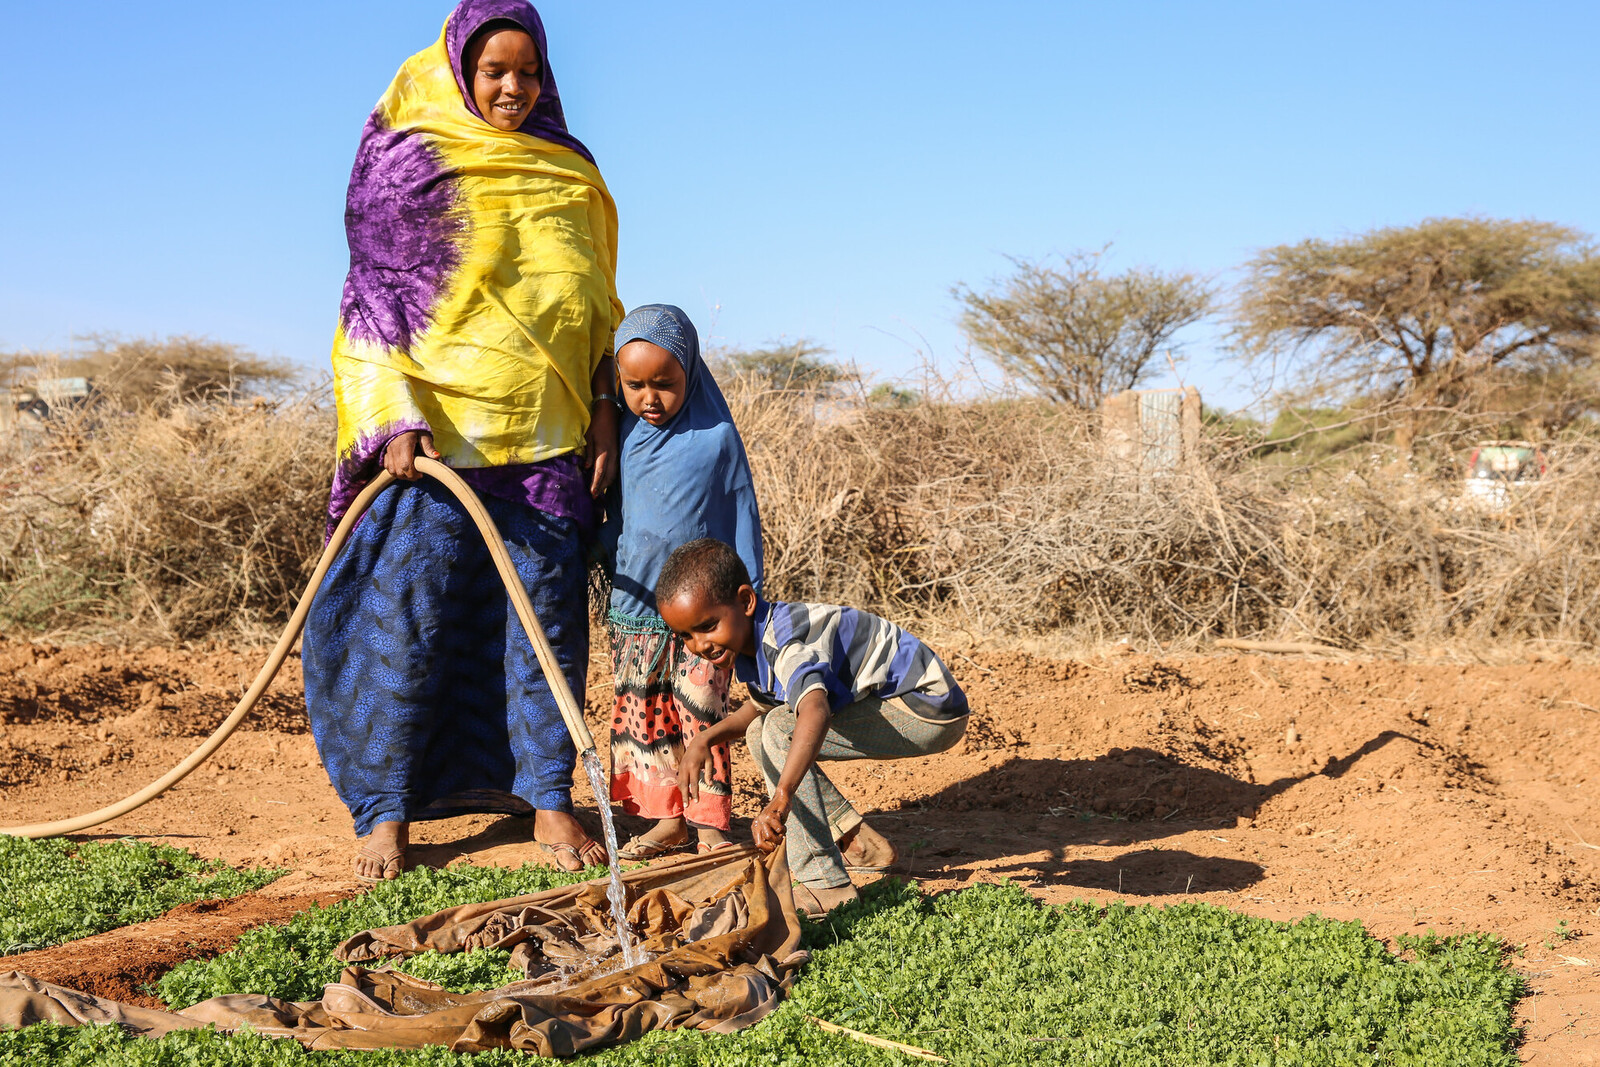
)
(57, 890)
(981, 976)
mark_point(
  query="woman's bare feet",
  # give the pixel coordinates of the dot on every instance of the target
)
(382, 854)
(867, 851)
(572, 847)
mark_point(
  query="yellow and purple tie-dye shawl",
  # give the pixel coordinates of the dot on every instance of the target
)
(482, 287)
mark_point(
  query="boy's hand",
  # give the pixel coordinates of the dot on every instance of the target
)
(768, 826)
(400, 454)
(811, 726)
(695, 754)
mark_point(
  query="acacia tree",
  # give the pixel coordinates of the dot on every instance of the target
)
(799, 367)
(181, 368)
(1423, 315)
(1077, 335)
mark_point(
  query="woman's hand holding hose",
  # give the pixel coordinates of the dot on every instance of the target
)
(400, 454)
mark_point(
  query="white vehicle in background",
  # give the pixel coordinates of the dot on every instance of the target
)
(1497, 470)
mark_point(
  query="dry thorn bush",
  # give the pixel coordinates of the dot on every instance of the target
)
(1383, 559)
(994, 516)
(170, 522)
(1002, 516)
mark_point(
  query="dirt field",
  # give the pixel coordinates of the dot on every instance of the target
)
(1408, 796)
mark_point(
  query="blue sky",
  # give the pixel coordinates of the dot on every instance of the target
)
(826, 170)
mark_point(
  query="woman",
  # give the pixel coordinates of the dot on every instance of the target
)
(475, 327)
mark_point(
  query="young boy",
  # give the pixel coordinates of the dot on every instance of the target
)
(826, 683)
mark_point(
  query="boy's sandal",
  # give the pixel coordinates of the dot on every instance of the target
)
(882, 868)
(871, 868)
(706, 847)
(383, 860)
(641, 847)
(807, 903)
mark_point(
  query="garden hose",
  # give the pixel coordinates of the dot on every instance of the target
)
(570, 711)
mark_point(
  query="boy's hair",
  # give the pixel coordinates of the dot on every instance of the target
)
(705, 566)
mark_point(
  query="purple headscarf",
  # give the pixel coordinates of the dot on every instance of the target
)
(470, 16)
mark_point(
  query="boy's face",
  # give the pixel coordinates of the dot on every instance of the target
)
(505, 77)
(653, 383)
(713, 630)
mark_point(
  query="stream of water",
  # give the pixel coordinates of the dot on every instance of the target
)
(615, 894)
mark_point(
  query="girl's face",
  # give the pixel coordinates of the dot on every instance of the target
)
(505, 77)
(653, 383)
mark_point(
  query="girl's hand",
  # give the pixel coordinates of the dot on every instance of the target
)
(768, 826)
(695, 754)
(400, 454)
(600, 451)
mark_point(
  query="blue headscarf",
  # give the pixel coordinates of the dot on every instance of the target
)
(686, 479)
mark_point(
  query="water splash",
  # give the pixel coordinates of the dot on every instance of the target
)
(588, 969)
(631, 956)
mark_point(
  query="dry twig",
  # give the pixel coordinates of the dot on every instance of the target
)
(876, 1042)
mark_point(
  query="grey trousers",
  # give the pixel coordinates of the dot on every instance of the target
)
(820, 815)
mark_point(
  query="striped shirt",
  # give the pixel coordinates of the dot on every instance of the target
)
(848, 653)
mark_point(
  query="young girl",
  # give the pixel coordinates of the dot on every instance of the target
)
(684, 475)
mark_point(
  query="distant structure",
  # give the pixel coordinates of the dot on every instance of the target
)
(29, 407)
(1153, 431)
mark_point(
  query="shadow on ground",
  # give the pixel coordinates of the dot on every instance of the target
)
(1135, 797)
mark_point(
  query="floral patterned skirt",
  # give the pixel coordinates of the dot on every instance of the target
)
(665, 696)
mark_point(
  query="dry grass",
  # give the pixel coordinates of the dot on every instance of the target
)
(996, 518)
(171, 522)
(1384, 559)
(1003, 517)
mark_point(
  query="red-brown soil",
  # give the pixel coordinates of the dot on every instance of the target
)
(1410, 796)
(120, 964)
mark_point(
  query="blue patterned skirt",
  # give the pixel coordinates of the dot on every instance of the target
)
(425, 697)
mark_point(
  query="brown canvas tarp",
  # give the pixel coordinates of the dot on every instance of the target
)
(720, 932)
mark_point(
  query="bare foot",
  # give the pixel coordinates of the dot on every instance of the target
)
(867, 850)
(563, 834)
(668, 832)
(382, 854)
(710, 839)
(667, 835)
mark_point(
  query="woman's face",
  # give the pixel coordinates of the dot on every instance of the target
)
(653, 383)
(505, 77)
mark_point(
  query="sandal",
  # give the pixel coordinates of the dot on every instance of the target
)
(383, 860)
(811, 903)
(705, 848)
(869, 868)
(640, 847)
(562, 848)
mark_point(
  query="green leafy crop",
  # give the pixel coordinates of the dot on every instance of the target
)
(982, 976)
(987, 976)
(295, 960)
(55, 890)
